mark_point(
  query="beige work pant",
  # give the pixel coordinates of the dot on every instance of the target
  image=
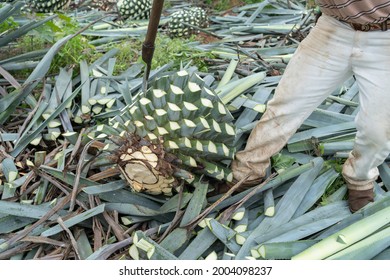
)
(331, 53)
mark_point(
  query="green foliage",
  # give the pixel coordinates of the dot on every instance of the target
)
(7, 25)
(129, 52)
(281, 162)
(179, 51)
(337, 165)
(71, 54)
(167, 50)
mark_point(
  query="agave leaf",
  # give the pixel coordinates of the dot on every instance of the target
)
(310, 228)
(384, 172)
(175, 240)
(9, 170)
(23, 30)
(75, 220)
(155, 251)
(228, 74)
(257, 12)
(23, 142)
(12, 100)
(203, 240)
(15, 66)
(384, 255)
(316, 191)
(225, 234)
(10, 223)
(284, 250)
(35, 121)
(172, 204)
(291, 230)
(8, 137)
(333, 129)
(125, 196)
(83, 245)
(112, 186)
(321, 117)
(8, 9)
(133, 209)
(365, 249)
(9, 78)
(337, 195)
(350, 219)
(285, 209)
(85, 89)
(25, 210)
(235, 88)
(276, 182)
(196, 203)
(23, 57)
(44, 65)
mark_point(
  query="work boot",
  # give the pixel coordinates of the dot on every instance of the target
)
(357, 199)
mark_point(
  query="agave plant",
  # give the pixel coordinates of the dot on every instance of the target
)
(134, 9)
(183, 23)
(177, 129)
(46, 6)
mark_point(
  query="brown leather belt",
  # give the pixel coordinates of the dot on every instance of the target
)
(383, 26)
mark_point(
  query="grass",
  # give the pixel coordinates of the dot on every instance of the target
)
(176, 50)
(7, 25)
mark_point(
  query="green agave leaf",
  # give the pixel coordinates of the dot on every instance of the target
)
(25, 210)
(112, 186)
(75, 220)
(175, 240)
(23, 142)
(83, 244)
(200, 244)
(196, 203)
(23, 30)
(9, 223)
(285, 209)
(9, 103)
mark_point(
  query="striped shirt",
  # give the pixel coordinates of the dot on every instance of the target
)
(356, 11)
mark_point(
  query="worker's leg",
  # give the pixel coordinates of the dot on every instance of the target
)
(320, 64)
(371, 65)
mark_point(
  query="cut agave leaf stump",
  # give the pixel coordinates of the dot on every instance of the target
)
(177, 125)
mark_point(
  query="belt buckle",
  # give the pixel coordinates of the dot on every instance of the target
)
(361, 27)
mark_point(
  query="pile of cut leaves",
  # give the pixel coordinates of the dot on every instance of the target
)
(92, 167)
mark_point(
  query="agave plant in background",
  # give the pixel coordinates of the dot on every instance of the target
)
(134, 9)
(47, 6)
(186, 22)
